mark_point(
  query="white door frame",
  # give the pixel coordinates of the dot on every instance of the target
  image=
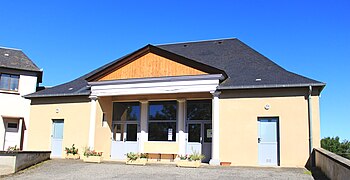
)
(270, 146)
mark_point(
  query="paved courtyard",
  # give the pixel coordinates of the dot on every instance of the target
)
(70, 169)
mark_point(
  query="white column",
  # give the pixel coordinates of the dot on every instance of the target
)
(215, 150)
(92, 121)
(143, 136)
(181, 126)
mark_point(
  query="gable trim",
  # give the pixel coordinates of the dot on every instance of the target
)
(158, 51)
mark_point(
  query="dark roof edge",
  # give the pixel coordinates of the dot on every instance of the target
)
(199, 41)
(322, 85)
(55, 95)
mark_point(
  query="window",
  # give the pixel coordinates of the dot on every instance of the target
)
(126, 117)
(199, 114)
(162, 118)
(12, 125)
(199, 110)
(9, 82)
(126, 111)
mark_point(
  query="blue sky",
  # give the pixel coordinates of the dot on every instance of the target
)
(70, 38)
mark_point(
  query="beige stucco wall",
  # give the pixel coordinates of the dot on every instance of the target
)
(239, 112)
(316, 126)
(103, 133)
(76, 115)
(239, 128)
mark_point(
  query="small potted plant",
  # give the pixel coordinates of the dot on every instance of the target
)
(13, 149)
(183, 157)
(193, 160)
(144, 157)
(135, 159)
(92, 156)
(72, 153)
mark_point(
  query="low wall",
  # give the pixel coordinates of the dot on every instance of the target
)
(11, 162)
(333, 166)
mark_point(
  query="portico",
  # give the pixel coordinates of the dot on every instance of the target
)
(151, 115)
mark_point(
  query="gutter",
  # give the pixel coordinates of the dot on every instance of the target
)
(310, 118)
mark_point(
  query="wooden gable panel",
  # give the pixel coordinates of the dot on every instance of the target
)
(151, 65)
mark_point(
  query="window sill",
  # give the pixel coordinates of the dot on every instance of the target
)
(9, 92)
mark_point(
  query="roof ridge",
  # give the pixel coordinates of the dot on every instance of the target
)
(197, 41)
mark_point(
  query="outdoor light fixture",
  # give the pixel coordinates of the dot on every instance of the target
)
(267, 107)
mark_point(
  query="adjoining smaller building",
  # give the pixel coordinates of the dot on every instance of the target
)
(19, 76)
(220, 98)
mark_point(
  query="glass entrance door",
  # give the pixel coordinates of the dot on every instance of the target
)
(124, 140)
(199, 139)
(194, 143)
(206, 145)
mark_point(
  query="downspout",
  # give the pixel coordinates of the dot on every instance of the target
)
(310, 119)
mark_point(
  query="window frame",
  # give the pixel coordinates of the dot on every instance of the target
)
(116, 122)
(198, 120)
(202, 122)
(11, 77)
(162, 121)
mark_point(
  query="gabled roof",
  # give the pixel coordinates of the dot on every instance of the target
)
(243, 67)
(16, 59)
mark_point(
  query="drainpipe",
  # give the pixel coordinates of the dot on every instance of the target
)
(310, 119)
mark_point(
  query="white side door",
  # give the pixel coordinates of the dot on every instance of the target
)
(57, 138)
(268, 141)
(12, 134)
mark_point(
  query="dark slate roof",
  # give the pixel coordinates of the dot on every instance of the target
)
(242, 64)
(16, 59)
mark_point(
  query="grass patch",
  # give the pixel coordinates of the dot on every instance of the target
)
(307, 172)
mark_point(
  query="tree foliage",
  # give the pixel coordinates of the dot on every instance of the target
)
(334, 145)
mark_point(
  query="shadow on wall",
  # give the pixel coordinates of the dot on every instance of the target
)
(311, 166)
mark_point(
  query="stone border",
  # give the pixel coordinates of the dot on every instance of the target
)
(341, 160)
(332, 165)
(15, 161)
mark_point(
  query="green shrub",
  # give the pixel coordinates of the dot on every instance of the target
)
(71, 150)
(334, 145)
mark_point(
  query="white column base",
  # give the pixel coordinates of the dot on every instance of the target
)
(214, 162)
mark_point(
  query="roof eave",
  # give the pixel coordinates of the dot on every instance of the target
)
(322, 85)
(55, 95)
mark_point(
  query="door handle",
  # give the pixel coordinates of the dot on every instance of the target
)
(201, 140)
(259, 140)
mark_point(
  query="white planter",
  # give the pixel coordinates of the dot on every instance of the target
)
(187, 163)
(93, 159)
